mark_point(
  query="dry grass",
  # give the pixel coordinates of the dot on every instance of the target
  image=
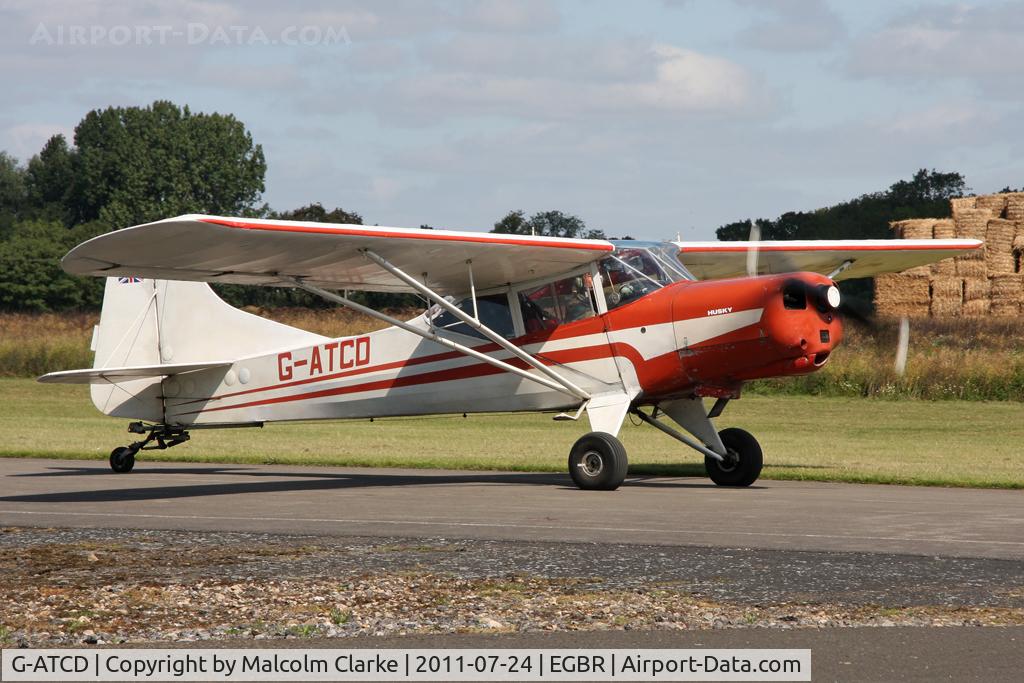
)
(957, 358)
(34, 344)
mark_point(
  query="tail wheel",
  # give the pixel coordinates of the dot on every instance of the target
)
(598, 461)
(743, 460)
(122, 459)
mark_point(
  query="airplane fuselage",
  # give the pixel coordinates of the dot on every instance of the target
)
(686, 339)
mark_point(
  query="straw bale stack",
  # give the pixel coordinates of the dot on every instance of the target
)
(972, 223)
(944, 229)
(1018, 241)
(1007, 295)
(902, 294)
(913, 229)
(984, 282)
(947, 296)
(976, 308)
(970, 267)
(1015, 206)
(999, 246)
(946, 266)
(976, 296)
(958, 203)
(996, 203)
(977, 288)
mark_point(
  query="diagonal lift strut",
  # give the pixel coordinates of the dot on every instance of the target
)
(567, 386)
(434, 337)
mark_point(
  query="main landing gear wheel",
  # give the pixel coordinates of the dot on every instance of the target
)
(598, 462)
(122, 459)
(743, 460)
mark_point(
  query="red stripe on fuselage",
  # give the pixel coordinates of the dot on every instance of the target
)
(581, 328)
(466, 372)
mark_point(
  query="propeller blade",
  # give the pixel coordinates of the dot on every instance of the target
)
(902, 345)
(754, 238)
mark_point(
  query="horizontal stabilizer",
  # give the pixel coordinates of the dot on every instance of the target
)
(124, 374)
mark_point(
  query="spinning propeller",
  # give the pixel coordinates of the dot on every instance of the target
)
(827, 297)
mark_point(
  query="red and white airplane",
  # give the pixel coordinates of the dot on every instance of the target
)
(514, 323)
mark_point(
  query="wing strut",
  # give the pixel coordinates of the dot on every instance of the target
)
(843, 266)
(337, 298)
(567, 386)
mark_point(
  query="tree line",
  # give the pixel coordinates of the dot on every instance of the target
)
(131, 165)
(925, 195)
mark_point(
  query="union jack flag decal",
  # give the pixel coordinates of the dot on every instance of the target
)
(129, 280)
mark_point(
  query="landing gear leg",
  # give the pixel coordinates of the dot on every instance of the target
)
(122, 459)
(732, 457)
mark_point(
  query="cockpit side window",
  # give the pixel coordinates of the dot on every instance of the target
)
(493, 311)
(564, 301)
(629, 275)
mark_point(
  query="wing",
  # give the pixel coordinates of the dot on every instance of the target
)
(715, 260)
(261, 252)
(123, 374)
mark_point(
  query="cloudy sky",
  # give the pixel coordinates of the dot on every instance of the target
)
(652, 119)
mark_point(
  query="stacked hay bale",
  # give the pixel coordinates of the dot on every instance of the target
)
(1006, 295)
(907, 293)
(901, 294)
(977, 301)
(947, 296)
(988, 281)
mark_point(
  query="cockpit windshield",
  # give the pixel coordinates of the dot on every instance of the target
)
(639, 268)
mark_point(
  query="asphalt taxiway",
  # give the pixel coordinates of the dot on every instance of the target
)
(782, 515)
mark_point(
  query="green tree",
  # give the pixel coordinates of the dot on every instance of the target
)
(49, 178)
(12, 193)
(514, 223)
(138, 164)
(925, 195)
(31, 278)
(316, 213)
(548, 223)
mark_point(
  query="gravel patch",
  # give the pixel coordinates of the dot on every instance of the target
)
(71, 586)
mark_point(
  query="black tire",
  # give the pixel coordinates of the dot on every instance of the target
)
(122, 459)
(745, 459)
(597, 462)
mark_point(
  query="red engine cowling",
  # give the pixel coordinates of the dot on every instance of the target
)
(731, 331)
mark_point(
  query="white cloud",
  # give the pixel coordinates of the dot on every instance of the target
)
(690, 81)
(792, 26)
(26, 139)
(980, 44)
(504, 16)
(639, 80)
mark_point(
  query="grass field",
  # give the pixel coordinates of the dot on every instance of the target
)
(944, 443)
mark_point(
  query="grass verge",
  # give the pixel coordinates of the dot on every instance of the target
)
(935, 443)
